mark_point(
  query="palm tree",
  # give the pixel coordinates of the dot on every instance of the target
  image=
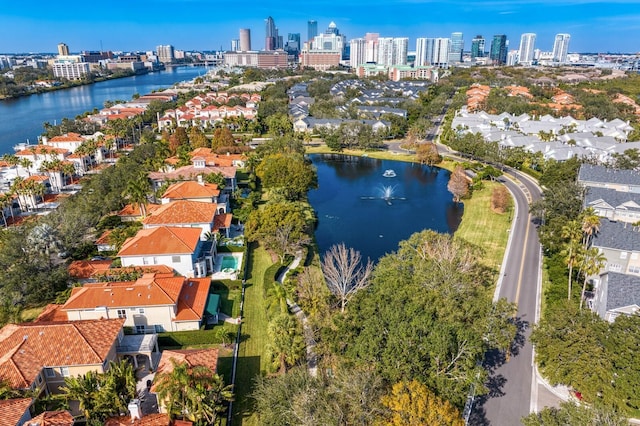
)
(590, 225)
(83, 389)
(137, 191)
(591, 263)
(571, 251)
(121, 380)
(6, 200)
(26, 164)
(287, 341)
(12, 160)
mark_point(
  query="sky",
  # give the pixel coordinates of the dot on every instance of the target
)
(141, 25)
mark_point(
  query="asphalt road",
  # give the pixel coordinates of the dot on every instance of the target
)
(512, 384)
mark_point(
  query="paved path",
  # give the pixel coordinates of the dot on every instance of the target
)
(312, 359)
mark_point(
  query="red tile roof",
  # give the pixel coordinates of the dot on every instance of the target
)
(26, 348)
(87, 268)
(52, 313)
(193, 358)
(41, 149)
(52, 418)
(182, 212)
(149, 420)
(67, 137)
(133, 210)
(12, 410)
(162, 240)
(191, 172)
(191, 189)
(222, 221)
(193, 299)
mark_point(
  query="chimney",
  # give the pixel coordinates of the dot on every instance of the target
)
(134, 409)
(200, 180)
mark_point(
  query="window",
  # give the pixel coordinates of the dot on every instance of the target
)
(623, 255)
(159, 328)
(64, 371)
(614, 267)
(39, 379)
(140, 329)
(634, 256)
(145, 261)
(122, 313)
(49, 372)
(634, 269)
(175, 259)
(141, 311)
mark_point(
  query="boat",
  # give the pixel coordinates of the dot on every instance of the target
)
(389, 173)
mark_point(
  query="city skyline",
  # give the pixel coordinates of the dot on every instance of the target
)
(187, 25)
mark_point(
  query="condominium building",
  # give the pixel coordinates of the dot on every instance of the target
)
(165, 53)
(71, 70)
(63, 49)
(364, 50)
(527, 48)
(561, 48)
(392, 51)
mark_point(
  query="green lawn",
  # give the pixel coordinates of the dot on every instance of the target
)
(484, 227)
(251, 356)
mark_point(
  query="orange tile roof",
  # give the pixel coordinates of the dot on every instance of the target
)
(27, 348)
(104, 238)
(148, 420)
(134, 210)
(12, 410)
(37, 178)
(182, 212)
(191, 189)
(52, 313)
(148, 290)
(67, 137)
(193, 299)
(222, 221)
(193, 358)
(52, 418)
(159, 270)
(162, 240)
(86, 268)
(191, 172)
(41, 149)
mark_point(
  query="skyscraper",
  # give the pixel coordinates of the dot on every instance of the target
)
(293, 44)
(392, 51)
(271, 35)
(477, 47)
(165, 53)
(63, 49)
(245, 39)
(312, 29)
(421, 52)
(527, 46)
(456, 47)
(498, 52)
(561, 48)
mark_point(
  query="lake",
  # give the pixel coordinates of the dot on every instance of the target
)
(356, 204)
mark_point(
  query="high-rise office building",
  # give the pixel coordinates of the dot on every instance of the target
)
(271, 35)
(498, 53)
(527, 47)
(165, 53)
(456, 46)
(330, 40)
(312, 29)
(477, 47)
(235, 45)
(561, 48)
(63, 49)
(293, 44)
(245, 39)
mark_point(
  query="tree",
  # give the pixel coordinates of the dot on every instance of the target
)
(137, 191)
(263, 224)
(458, 184)
(500, 199)
(571, 414)
(590, 225)
(592, 260)
(344, 273)
(286, 342)
(222, 137)
(290, 175)
(197, 138)
(427, 153)
(279, 124)
(413, 404)
(288, 241)
(572, 234)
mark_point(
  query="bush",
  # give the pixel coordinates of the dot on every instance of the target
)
(181, 339)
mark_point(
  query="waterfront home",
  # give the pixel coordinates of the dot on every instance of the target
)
(15, 411)
(179, 248)
(192, 191)
(151, 304)
(191, 172)
(189, 214)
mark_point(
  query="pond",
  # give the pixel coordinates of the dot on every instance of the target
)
(371, 205)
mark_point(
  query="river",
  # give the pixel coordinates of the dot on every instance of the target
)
(22, 119)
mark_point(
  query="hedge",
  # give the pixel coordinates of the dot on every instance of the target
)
(181, 339)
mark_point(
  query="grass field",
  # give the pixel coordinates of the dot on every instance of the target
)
(251, 355)
(484, 227)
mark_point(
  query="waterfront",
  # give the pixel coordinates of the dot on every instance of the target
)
(22, 119)
(356, 204)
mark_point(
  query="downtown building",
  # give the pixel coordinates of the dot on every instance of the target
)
(275, 59)
(561, 48)
(324, 51)
(432, 51)
(165, 53)
(527, 49)
(456, 46)
(477, 47)
(499, 49)
(364, 50)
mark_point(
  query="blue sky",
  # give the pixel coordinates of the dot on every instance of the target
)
(38, 25)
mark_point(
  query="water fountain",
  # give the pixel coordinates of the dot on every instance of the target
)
(386, 194)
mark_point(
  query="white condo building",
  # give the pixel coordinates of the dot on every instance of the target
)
(527, 48)
(561, 48)
(432, 51)
(392, 51)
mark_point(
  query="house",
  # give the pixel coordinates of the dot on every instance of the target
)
(614, 205)
(132, 212)
(15, 412)
(179, 248)
(191, 172)
(39, 355)
(103, 242)
(153, 303)
(84, 270)
(192, 191)
(69, 141)
(52, 418)
(616, 294)
(619, 242)
(189, 214)
(600, 176)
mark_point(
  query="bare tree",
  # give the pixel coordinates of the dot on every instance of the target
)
(500, 199)
(458, 184)
(287, 241)
(344, 272)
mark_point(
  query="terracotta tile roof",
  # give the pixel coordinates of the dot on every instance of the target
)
(104, 238)
(27, 348)
(41, 149)
(149, 290)
(12, 410)
(52, 418)
(37, 178)
(191, 172)
(52, 313)
(191, 189)
(162, 240)
(193, 358)
(213, 159)
(86, 268)
(133, 210)
(67, 137)
(222, 221)
(193, 299)
(182, 212)
(149, 420)
(161, 271)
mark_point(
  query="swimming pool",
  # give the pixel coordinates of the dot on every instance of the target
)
(229, 262)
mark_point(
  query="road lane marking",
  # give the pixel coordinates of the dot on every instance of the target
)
(524, 256)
